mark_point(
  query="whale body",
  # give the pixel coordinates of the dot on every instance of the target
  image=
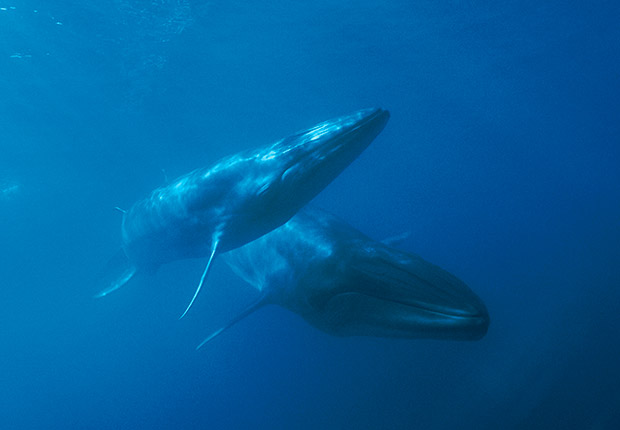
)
(218, 208)
(346, 284)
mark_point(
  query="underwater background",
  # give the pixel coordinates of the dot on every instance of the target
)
(501, 158)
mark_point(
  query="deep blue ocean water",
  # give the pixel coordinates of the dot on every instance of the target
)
(501, 157)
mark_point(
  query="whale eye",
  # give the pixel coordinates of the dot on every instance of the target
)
(287, 173)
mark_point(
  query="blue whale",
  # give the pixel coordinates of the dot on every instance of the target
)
(218, 208)
(346, 284)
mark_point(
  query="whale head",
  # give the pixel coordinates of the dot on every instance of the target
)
(303, 164)
(361, 287)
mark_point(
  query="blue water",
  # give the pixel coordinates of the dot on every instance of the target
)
(501, 157)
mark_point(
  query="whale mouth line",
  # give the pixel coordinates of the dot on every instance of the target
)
(426, 308)
(342, 137)
(351, 128)
(365, 121)
(341, 134)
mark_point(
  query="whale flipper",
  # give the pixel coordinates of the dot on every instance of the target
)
(247, 311)
(203, 277)
(115, 274)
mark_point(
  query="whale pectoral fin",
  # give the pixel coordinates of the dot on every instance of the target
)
(115, 274)
(247, 311)
(203, 277)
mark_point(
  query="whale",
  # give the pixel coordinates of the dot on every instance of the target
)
(236, 200)
(347, 284)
